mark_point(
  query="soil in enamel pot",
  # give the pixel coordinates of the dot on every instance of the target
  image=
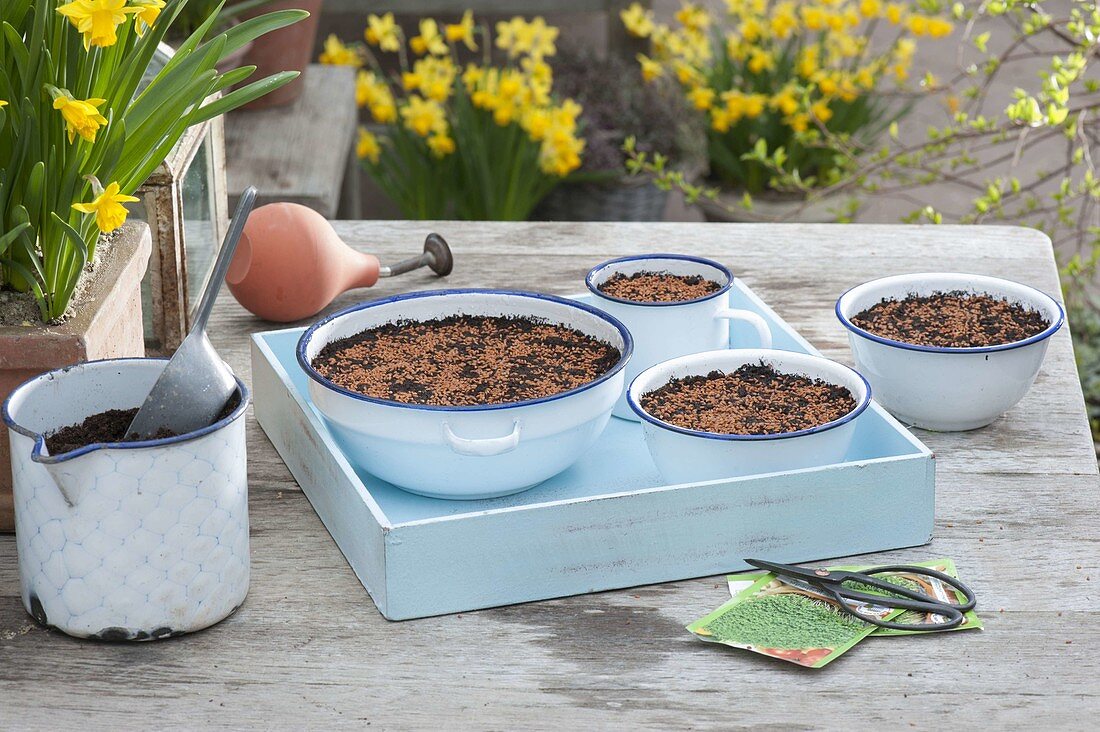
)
(951, 320)
(753, 400)
(657, 287)
(111, 426)
(465, 360)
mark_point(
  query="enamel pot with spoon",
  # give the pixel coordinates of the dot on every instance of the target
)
(141, 539)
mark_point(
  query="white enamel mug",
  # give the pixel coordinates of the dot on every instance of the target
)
(667, 330)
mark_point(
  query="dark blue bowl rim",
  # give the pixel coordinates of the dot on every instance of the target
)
(858, 410)
(589, 279)
(303, 342)
(1050, 330)
(40, 442)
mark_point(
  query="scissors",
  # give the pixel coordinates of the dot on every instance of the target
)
(830, 584)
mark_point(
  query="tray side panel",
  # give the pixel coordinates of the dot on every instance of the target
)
(331, 487)
(657, 536)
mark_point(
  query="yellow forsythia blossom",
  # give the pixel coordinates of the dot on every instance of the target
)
(367, 148)
(462, 31)
(81, 117)
(383, 32)
(637, 20)
(97, 20)
(107, 207)
(336, 53)
(146, 13)
(820, 110)
(430, 39)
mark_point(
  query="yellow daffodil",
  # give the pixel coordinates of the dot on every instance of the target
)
(701, 97)
(783, 20)
(3, 103)
(693, 17)
(81, 117)
(751, 30)
(335, 53)
(870, 8)
(536, 123)
(637, 20)
(367, 147)
(814, 18)
(424, 116)
(107, 206)
(462, 31)
(760, 60)
(429, 41)
(97, 20)
(146, 13)
(535, 39)
(383, 32)
(441, 145)
(894, 13)
(374, 93)
(540, 43)
(560, 152)
(650, 69)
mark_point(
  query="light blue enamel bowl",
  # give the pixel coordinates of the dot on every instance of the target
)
(467, 452)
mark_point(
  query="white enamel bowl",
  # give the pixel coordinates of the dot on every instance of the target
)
(947, 389)
(475, 451)
(688, 456)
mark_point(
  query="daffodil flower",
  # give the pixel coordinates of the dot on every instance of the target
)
(637, 20)
(441, 145)
(146, 13)
(383, 32)
(462, 31)
(429, 40)
(367, 148)
(81, 116)
(107, 206)
(423, 116)
(336, 53)
(98, 20)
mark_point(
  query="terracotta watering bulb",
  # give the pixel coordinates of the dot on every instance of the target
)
(290, 263)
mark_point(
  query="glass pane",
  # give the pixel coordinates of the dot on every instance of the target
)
(199, 230)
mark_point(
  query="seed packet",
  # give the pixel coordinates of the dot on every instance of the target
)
(775, 619)
(930, 585)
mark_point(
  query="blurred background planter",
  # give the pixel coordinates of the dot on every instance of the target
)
(775, 207)
(104, 322)
(136, 541)
(287, 49)
(617, 199)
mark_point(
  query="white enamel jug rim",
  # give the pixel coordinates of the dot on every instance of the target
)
(992, 282)
(590, 279)
(38, 454)
(307, 367)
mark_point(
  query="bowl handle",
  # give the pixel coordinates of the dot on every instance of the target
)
(483, 446)
(752, 319)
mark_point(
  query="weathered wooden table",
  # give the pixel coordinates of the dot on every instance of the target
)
(1018, 506)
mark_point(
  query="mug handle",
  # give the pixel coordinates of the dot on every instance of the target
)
(483, 446)
(752, 319)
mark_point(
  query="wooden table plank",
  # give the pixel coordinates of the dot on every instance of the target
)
(299, 152)
(1017, 507)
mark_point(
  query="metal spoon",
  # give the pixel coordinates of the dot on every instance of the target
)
(196, 384)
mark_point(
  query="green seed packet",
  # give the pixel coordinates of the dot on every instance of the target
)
(774, 619)
(737, 582)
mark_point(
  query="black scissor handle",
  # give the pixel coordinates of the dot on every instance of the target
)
(954, 583)
(954, 617)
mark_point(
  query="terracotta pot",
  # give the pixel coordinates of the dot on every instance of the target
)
(106, 324)
(772, 207)
(287, 49)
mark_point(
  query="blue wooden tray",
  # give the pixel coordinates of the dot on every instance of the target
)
(607, 522)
